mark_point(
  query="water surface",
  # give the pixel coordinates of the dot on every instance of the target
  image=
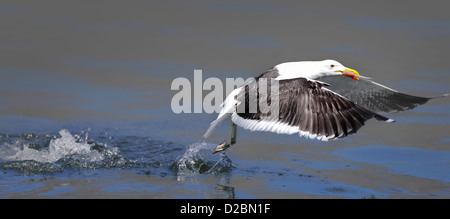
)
(85, 99)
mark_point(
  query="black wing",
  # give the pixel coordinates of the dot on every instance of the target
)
(371, 95)
(305, 106)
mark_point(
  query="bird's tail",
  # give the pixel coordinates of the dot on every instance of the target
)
(215, 123)
(228, 107)
(382, 118)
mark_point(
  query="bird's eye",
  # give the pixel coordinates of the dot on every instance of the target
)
(332, 65)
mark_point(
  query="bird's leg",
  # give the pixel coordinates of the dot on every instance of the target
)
(231, 140)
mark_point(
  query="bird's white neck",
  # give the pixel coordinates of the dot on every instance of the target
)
(306, 69)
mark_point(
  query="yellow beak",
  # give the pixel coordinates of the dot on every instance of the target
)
(352, 73)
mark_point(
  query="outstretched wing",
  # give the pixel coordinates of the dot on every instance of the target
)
(371, 95)
(305, 107)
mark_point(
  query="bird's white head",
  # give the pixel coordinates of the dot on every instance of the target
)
(314, 70)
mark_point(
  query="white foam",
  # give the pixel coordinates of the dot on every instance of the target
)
(58, 148)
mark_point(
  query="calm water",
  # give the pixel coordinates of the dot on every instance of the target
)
(85, 99)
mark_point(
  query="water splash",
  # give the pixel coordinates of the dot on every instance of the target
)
(198, 159)
(58, 148)
(46, 154)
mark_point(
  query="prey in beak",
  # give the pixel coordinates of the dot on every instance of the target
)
(352, 73)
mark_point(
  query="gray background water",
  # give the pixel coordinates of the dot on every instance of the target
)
(109, 65)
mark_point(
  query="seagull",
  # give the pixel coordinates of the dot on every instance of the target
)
(321, 100)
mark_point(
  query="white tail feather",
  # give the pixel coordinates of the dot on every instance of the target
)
(215, 123)
(228, 107)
